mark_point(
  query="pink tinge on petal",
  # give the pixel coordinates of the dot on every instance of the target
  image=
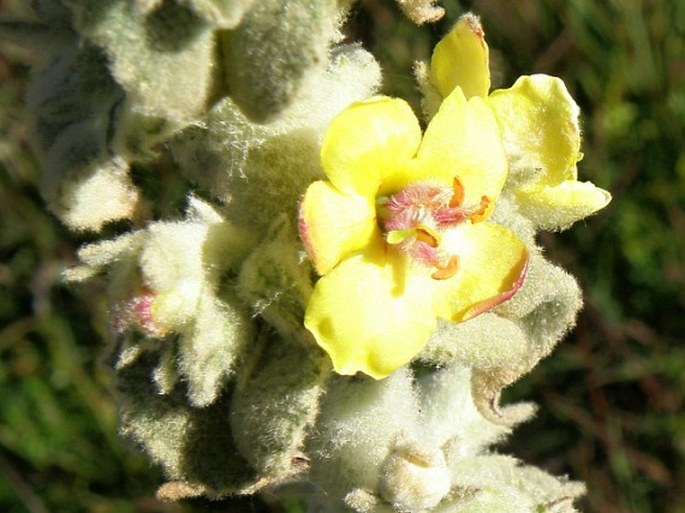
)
(474, 24)
(494, 301)
(303, 228)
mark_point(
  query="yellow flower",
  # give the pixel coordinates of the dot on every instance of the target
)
(540, 130)
(398, 233)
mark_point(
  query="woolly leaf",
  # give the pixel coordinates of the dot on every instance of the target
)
(276, 281)
(486, 341)
(180, 260)
(180, 437)
(171, 263)
(74, 99)
(366, 458)
(94, 258)
(360, 420)
(260, 171)
(166, 284)
(274, 49)
(496, 483)
(225, 14)
(259, 174)
(211, 346)
(275, 403)
(559, 302)
(163, 60)
(181, 266)
(449, 417)
(502, 346)
(421, 11)
(104, 195)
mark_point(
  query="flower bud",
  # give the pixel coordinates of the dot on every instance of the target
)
(414, 477)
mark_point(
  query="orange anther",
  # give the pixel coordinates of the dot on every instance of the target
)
(483, 211)
(449, 270)
(427, 236)
(458, 193)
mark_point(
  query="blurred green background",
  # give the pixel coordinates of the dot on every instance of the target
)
(611, 396)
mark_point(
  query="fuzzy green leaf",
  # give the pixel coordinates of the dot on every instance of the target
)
(163, 60)
(182, 265)
(275, 404)
(74, 100)
(210, 348)
(276, 281)
(261, 171)
(504, 345)
(421, 11)
(225, 14)
(449, 416)
(360, 421)
(271, 53)
(180, 437)
(500, 484)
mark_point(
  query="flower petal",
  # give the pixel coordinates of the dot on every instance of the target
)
(463, 140)
(461, 58)
(333, 224)
(371, 313)
(558, 207)
(365, 140)
(492, 264)
(540, 131)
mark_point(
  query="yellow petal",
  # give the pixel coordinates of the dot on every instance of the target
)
(463, 140)
(492, 264)
(371, 313)
(365, 140)
(539, 121)
(333, 224)
(558, 207)
(461, 59)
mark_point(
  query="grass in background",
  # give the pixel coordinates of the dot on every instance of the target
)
(611, 396)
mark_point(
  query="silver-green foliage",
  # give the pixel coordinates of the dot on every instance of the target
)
(114, 78)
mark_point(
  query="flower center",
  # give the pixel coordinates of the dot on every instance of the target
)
(413, 219)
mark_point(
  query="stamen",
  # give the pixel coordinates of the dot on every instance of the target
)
(428, 236)
(447, 271)
(413, 220)
(483, 211)
(457, 193)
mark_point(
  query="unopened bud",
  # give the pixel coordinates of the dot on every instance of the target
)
(414, 478)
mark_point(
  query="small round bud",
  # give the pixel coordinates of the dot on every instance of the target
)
(414, 478)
